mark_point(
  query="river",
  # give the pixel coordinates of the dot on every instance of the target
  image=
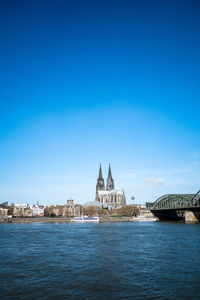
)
(154, 260)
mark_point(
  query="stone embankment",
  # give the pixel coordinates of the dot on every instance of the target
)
(5, 219)
(102, 218)
(114, 219)
(41, 219)
(67, 220)
(146, 213)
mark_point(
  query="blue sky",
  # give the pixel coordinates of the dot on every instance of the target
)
(98, 81)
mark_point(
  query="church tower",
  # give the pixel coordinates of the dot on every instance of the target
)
(100, 181)
(110, 181)
(109, 198)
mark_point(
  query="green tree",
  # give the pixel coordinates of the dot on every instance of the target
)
(11, 209)
(90, 211)
(126, 211)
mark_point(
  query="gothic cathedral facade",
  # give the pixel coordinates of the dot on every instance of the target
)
(109, 197)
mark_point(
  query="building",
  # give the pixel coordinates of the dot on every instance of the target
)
(37, 210)
(109, 197)
(4, 208)
(73, 209)
(22, 210)
(68, 210)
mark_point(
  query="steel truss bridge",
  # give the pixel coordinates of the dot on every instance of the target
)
(172, 206)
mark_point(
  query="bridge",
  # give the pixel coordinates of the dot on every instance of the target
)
(177, 207)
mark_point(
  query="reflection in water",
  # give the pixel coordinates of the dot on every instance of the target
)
(99, 261)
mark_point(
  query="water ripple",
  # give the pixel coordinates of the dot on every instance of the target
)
(99, 261)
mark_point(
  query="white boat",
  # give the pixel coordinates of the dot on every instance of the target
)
(143, 219)
(85, 219)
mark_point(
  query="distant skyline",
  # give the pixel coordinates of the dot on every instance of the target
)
(90, 82)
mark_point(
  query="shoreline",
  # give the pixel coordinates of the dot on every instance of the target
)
(62, 220)
(67, 220)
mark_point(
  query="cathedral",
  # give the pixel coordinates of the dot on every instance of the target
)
(109, 197)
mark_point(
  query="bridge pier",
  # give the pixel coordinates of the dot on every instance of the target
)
(192, 217)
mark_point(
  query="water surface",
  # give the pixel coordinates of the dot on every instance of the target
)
(100, 261)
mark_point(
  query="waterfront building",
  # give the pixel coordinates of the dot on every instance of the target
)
(68, 210)
(109, 197)
(37, 210)
(22, 211)
(4, 208)
(73, 209)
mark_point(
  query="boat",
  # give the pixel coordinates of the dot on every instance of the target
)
(85, 219)
(143, 219)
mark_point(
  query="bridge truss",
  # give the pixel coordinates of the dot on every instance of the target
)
(176, 202)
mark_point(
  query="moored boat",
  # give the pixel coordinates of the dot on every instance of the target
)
(85, 219)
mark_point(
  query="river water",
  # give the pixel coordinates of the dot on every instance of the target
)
(100, 261)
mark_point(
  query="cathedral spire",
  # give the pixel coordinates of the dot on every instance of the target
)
(109, 172)
(110, 181)
(100, 173)
(100, 181)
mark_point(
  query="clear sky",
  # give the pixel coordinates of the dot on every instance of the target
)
(84, 82)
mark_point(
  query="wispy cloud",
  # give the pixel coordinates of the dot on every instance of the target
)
(152, 181)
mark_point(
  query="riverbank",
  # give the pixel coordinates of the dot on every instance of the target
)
(66, 220)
